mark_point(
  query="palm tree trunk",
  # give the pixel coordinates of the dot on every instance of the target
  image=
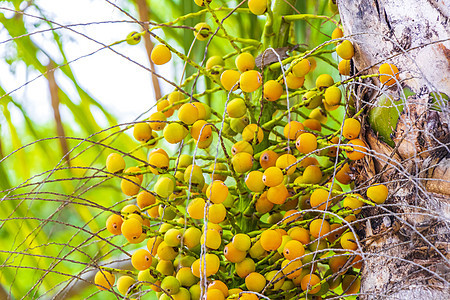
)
(406, 240)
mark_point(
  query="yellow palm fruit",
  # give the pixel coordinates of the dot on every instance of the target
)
(242, 162)
(306, 143)
(344, 67)
(337, 33)
(254, 181)
(257, 7)
(287, 162)
(242, 146)
(157, 121)
(124, 283)
(348, 241)
(359, 149)
(133, 38)
(161, 55)
(115, 163)
(345, 50)
(272, 90)
(245, 62)
(175, 98)
(163, 105)
(142, 132)
(202, 2)
(250, 81)
(351, 128)
(214, 61)
(230, 79)
(292, 130)
(301, 67)
(104, 280)
(319, 115)
(333, 95)
(377, 193)
(390, 72)
(174, 133)
(250, 131)
(313, 99)
(217, 192)
(324, 81)
(188, 113)
(201, 130)
(293, 82)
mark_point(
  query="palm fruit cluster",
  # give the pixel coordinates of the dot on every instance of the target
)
(262, 206)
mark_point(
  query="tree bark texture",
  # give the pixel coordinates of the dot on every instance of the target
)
(406, 240)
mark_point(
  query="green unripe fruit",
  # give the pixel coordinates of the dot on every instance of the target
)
(183, 294)
(236, 108)
(195, 292)
(185, 277)
(165, 186)
(241, 242)
(317, 114)
(332, 5)
(173, 237)
(318, 245)
(214, 61)
(202, 31)
(313, 99)
(218, 167)
(194, 175)
(184, 161)
(165, 267)
(170, 285)
(133, 38)
(146, 277)
(238, 124)
(167, 212)
(277, 280)
(186, 261)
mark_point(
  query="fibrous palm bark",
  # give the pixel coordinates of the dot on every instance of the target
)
(407, 239)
